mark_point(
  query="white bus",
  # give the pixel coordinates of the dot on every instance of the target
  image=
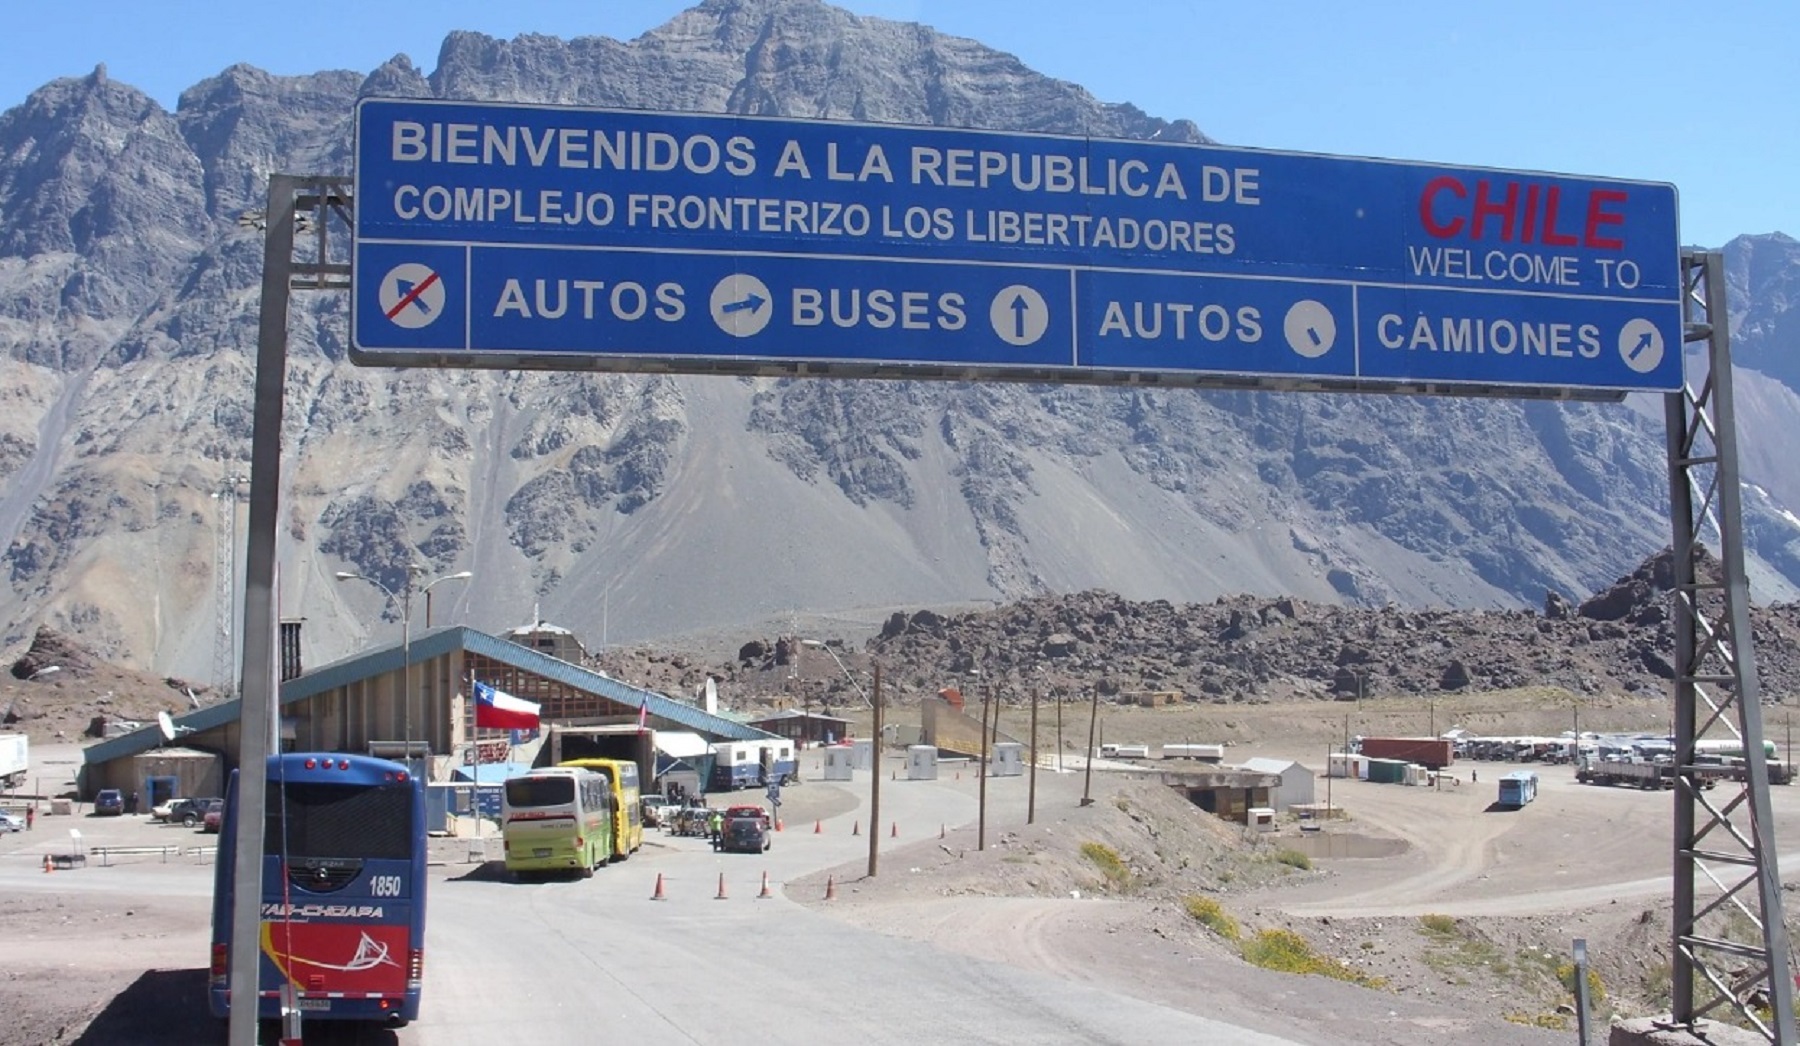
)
(557, 819)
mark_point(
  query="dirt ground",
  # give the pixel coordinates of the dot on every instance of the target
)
(1458, 914)
(1432, 892)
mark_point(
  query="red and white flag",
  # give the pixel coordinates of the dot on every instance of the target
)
(499, 710)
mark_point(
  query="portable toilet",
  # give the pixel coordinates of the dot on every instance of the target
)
(839, 761)
(864, 755)
(1009, 760)
(921, 763)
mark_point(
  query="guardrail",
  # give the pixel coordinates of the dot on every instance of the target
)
(106, 853)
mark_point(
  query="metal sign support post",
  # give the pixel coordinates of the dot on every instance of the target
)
(1728, 842)
(289, 196)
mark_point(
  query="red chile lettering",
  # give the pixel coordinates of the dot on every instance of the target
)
(1428, 216)
(1597, 216)
(1517, 211)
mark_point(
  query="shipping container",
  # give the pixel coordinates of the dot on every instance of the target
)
(1434, 752)
(1387, 771)
(15, 759)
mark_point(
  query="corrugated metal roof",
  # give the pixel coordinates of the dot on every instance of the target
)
(1265, 765)
(660, 706)
(437, 643)
(795, 713)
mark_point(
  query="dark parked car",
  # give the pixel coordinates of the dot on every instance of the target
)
(745, 835)
(215, 812)
(109, 803)
(189, 812)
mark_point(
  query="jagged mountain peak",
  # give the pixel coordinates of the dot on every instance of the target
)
(629, 507)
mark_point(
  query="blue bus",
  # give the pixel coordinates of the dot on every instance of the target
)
(343, 890)
(1518, 788)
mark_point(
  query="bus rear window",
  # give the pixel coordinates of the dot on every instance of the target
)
(523, 793)
(334, 820)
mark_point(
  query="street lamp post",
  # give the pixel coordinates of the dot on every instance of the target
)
(404, 599)
(822, 645)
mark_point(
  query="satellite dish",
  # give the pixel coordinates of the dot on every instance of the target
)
(166, 725)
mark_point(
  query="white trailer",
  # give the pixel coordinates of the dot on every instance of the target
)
(15, 759)
(1205, 753)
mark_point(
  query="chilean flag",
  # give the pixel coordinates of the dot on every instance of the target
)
(502, 711)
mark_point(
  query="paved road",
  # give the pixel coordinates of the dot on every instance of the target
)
(567, 962)
(592, 960)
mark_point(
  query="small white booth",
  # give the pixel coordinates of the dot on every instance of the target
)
(864, 755)
(1262, 818)
(1009, 760)
(921, 763)
(839, 761)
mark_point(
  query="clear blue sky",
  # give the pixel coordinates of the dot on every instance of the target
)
(1706, 96)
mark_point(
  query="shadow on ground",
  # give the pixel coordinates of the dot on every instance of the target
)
(168, 1008)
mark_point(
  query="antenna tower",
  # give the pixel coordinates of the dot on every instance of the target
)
(224, 675)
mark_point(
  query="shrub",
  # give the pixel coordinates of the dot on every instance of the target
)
(1441, 925)
(1288, 952)
(1294, 859)
(1208, 913)
(1565, 973)
(1107, 860)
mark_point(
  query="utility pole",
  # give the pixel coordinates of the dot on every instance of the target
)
(1059, 736)
(1087, 784)
(1031, 792)
(987, 698)
(875, 780)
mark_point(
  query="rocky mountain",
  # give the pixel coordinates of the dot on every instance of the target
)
(634, 507)
(1615, 643)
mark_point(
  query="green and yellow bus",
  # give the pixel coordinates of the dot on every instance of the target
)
(557, 819)
(628, 813)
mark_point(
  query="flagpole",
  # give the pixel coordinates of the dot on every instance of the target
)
(475, 774)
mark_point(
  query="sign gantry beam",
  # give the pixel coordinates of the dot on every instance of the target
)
(521, 237)
(1730, 943)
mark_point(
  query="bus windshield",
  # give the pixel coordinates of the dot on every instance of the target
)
(523, 793)
(333, 820)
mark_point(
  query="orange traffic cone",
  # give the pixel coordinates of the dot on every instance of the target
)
(765, 888)
(895, 834)
(856, 828)
(818, 826)
(778, 824)
(721, 895)
(830, 888)
(49, 865)
(658, 895)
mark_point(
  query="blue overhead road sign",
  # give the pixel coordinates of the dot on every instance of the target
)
(522, 236)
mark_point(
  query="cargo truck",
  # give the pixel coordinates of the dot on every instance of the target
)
(1594, 770)
(15, 759)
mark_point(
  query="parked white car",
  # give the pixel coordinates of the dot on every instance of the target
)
(11, 822)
